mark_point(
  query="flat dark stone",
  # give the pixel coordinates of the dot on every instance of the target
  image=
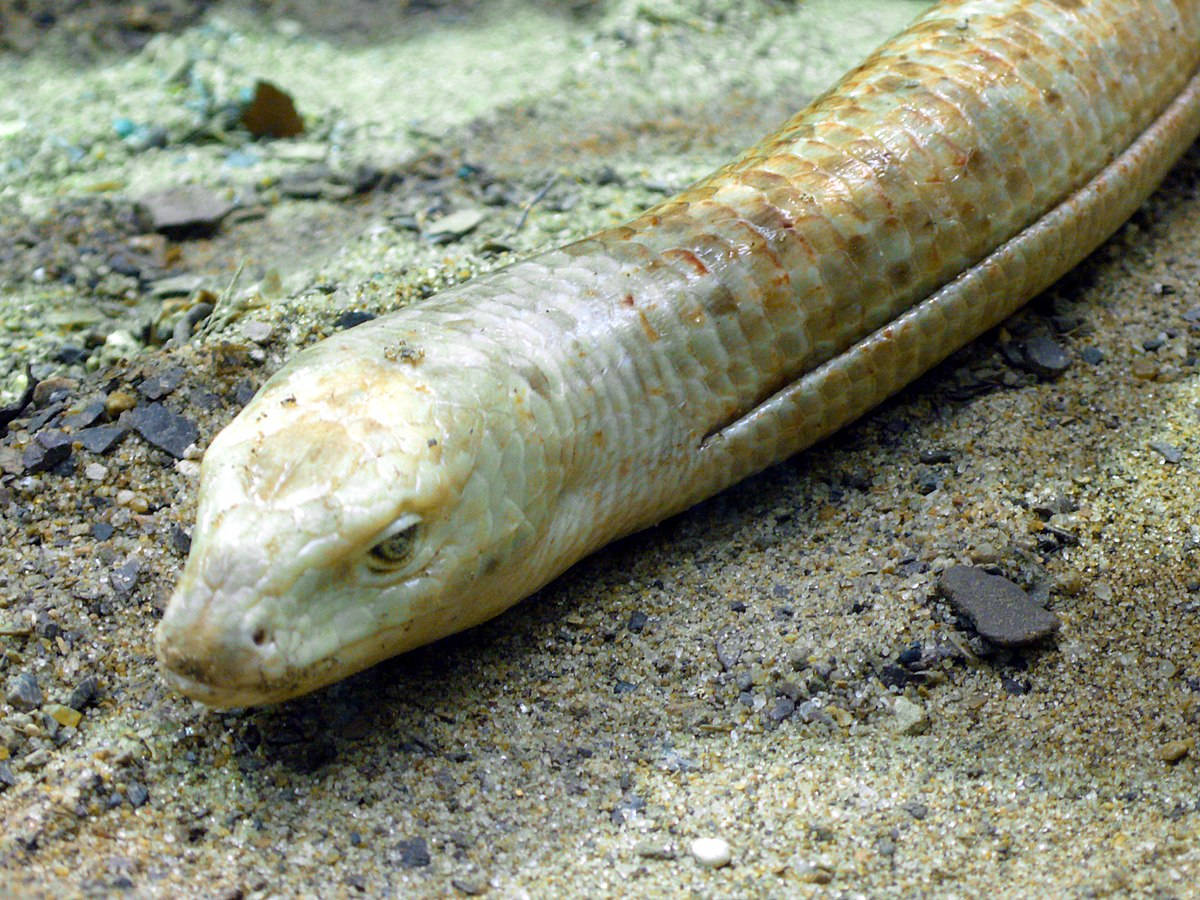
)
(164, 429)
(996, 607)
(1046, 357)
(86, 417)
(162, 383)
(184, 211)
(414, 853)
(100, 438)
(24, 693)
(124, 577)
(47, 450)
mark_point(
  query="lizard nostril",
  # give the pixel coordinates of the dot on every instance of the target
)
(259, 636)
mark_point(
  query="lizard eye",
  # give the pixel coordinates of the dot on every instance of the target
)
(396, 546)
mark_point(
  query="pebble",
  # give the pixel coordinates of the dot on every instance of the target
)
(7, 778)
(711, 852)
(63, 715)
(100, 439)
(1169, 452)
(654, 850)
(137, 795)
(118, 402)
(90, 414)
(45, 390)
(451, 227)
(85, 693)
(124, 578)
(414, 853)
(996, 607)
(189, 210)
(157, 386)
(910, 717)
(1173, 751)
(24, 693)
(46, 450)
(1046, 357)
(164, 429)
(95, 472)
(257, 332)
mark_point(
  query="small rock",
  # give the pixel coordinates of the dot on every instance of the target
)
(781, 709)
(1046, 357)
(118, 402)
(257, 332)
(637, 621)
(910, 717)
(414, 853)
(1173, 751)
(711, 852)
(7, 778)
(471, 887)
(1169, 452)
(46, 450)
(100, 439)
(124, 577)
(1144, 368)
(996, 607)
(916, 809)
(271, 113)
(162, 383)
(189, 210)
(164, 429)
(654, 850)
(46, 389)
(454, 226)
(63, 715)
(24, 692)
(137, 795)
(86, 417)
(84, 693)
(352, 318)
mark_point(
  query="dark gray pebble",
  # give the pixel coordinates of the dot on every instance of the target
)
(189, 210)
(1093, 356)
(89, 415)
(781, 709)
(1045, 357)
(100, 439)
(102, 531)
(352, 318)
(164, 429)
(84, 693)
(997, 608)
(24, 693)
(637, 621)
(414, 852)
(1168, 452)
(7, 778)
(916, 809)
(137, 795)
(159, 385)
(124, 578)
(47, 450)
(181, 541)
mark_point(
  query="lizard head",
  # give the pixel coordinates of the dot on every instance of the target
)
(349, 513)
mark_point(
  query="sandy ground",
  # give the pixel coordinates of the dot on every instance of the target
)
(579, 743)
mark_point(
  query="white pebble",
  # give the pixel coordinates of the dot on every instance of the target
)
(711, 852)
(95, 471)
